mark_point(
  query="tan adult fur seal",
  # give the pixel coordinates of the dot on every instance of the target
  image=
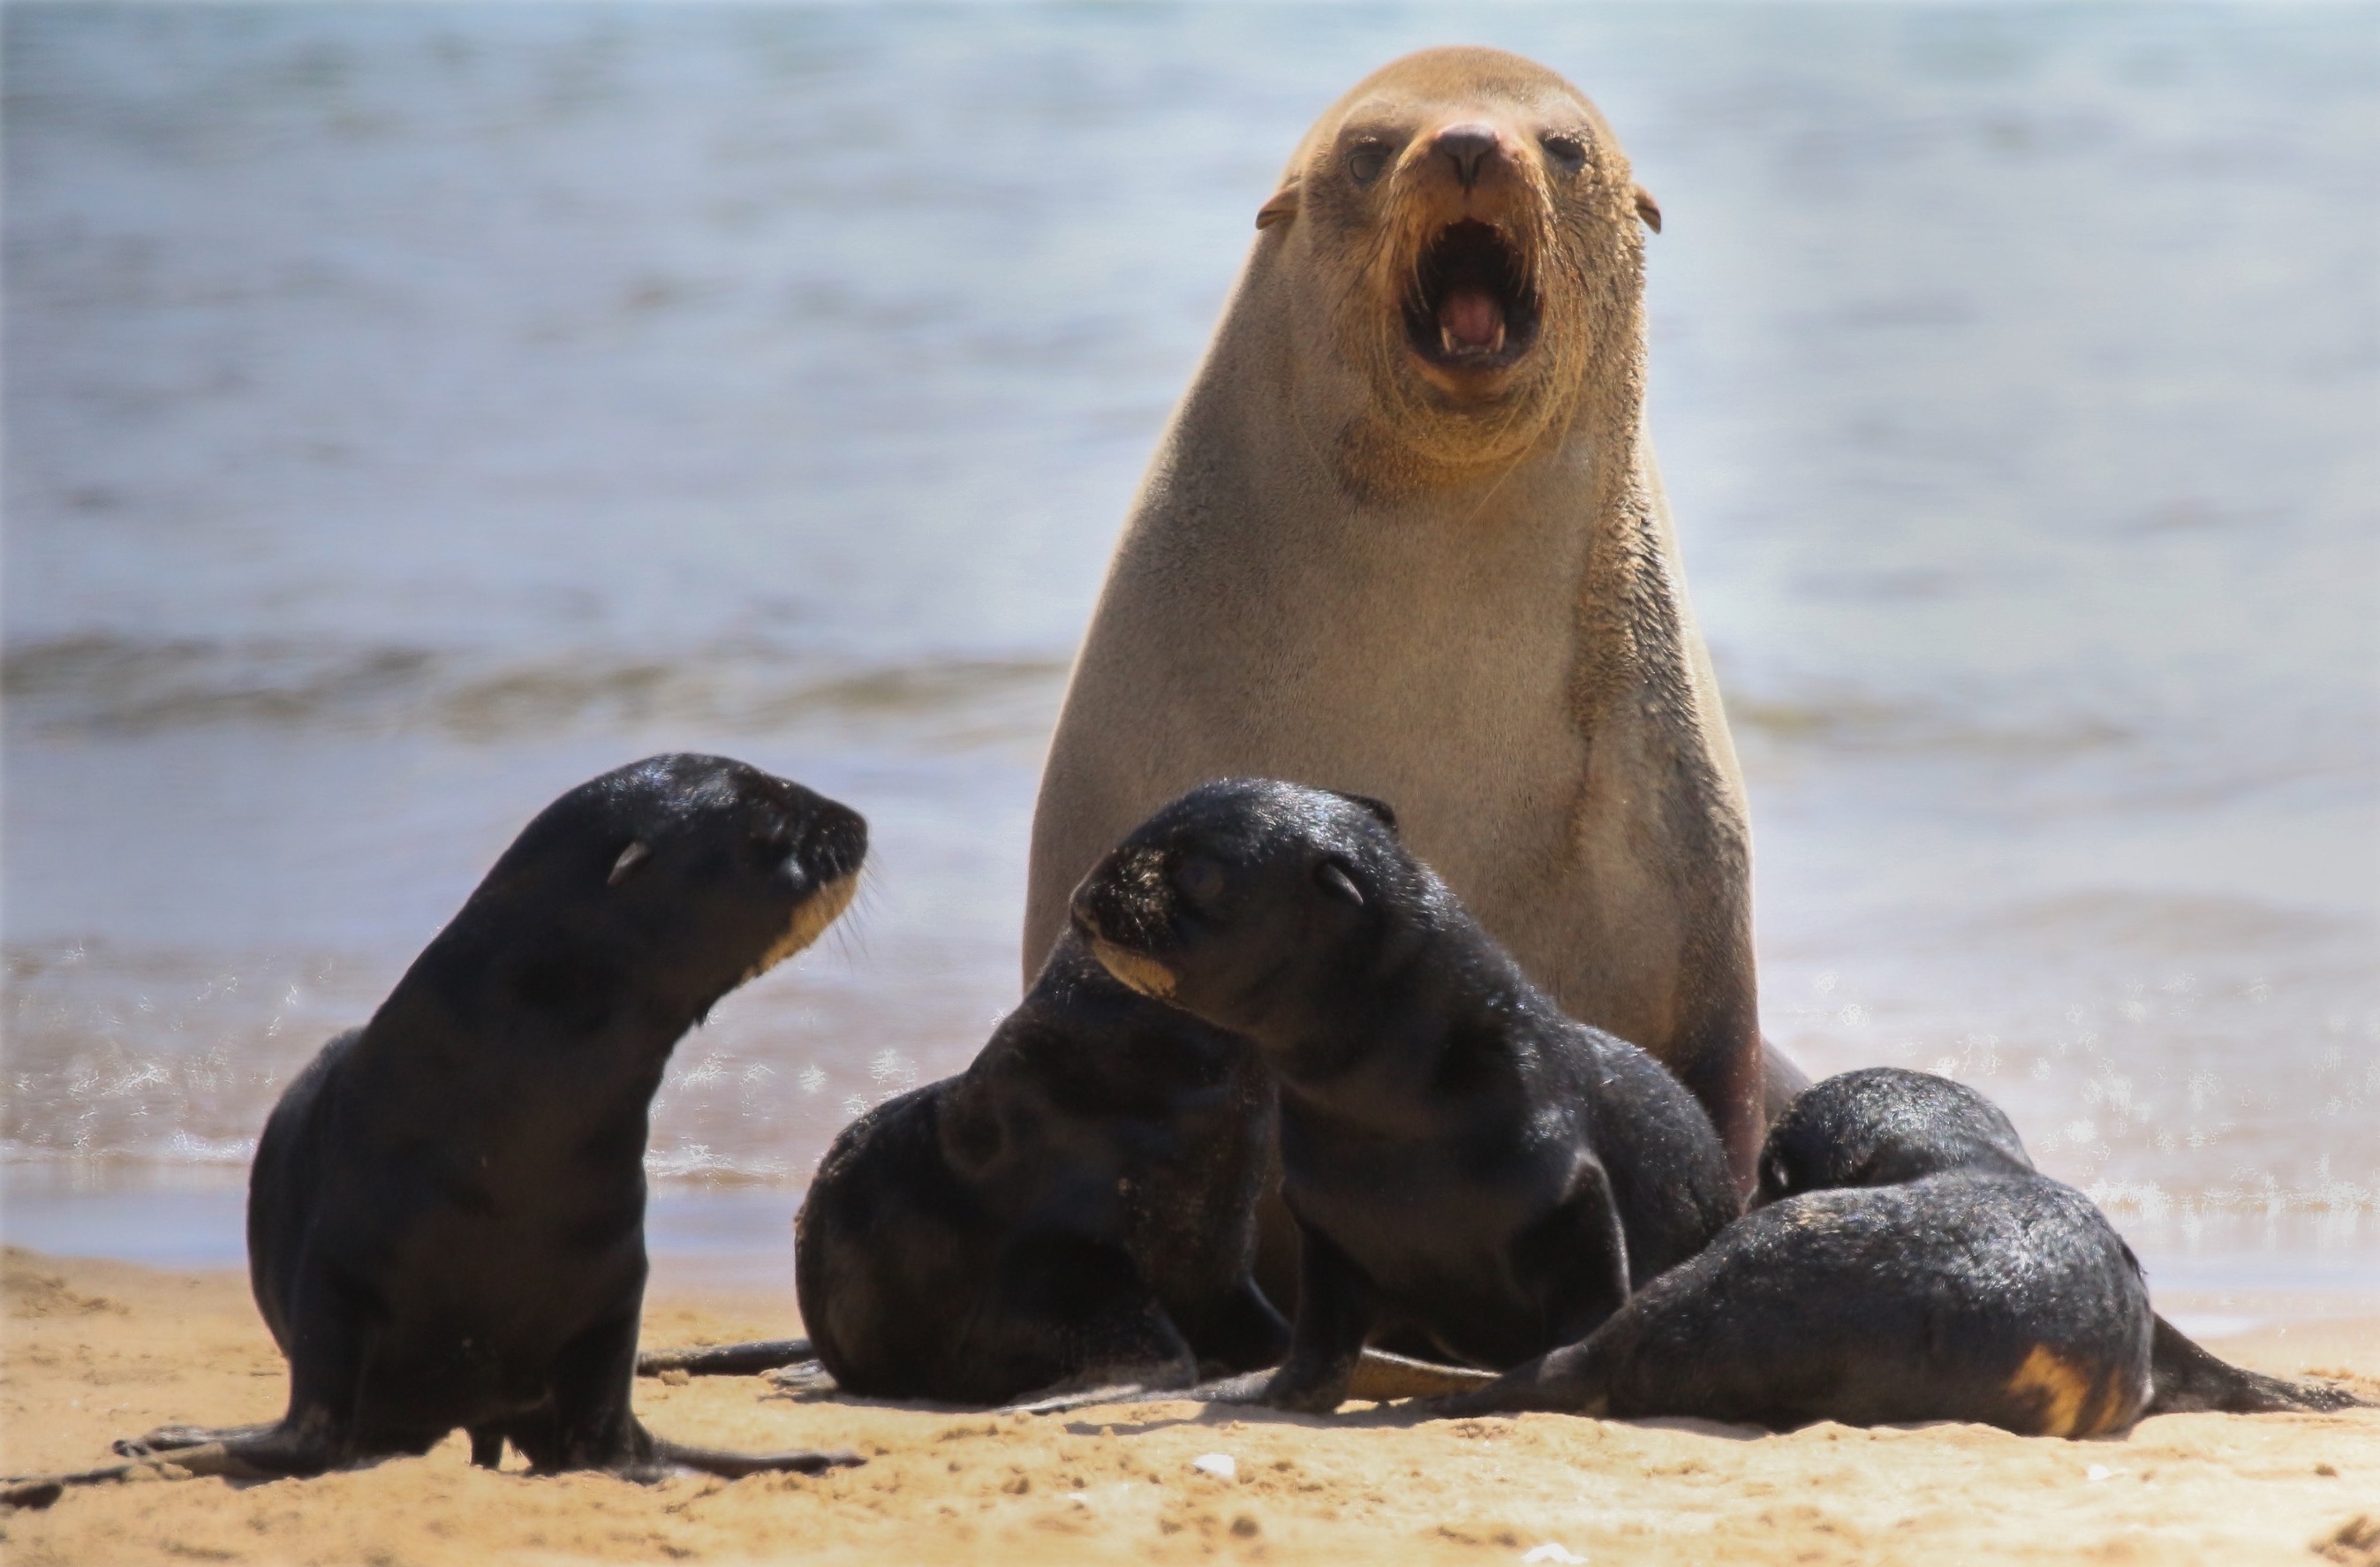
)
(1405, 537)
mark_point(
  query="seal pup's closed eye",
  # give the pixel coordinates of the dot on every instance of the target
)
(446, 1212)
(1464, 1162)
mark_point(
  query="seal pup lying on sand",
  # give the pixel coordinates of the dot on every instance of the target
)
(445, 1217)
(1903, 1262)
(1405, 536)
(1461, 1159)
(1077, 1207)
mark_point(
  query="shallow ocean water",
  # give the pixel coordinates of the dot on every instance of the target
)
(414, 409)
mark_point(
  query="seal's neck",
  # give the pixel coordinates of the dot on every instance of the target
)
(553, 1042)
(1427, 1027)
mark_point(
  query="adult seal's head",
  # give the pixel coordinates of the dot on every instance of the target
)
(1454, 246)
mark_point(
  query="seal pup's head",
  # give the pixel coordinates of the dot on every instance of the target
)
(1463, 230)
(648, 894)
(1883, 1126)
(1259, 906)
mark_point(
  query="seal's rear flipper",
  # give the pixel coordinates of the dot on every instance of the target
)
(219, 1459)
(726, 1360)
(1381, 1377)
(735, 1465)
(804, 1380)
(2184, 1378)
(174, 1439)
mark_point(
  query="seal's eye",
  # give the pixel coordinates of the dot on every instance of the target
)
(1365, 162)
(1567, 153)
(1200, 879)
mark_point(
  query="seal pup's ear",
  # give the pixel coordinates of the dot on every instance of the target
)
(1332, 878)
(1649, 209)
(1379, 810)
(1281, 208)
(634, 854)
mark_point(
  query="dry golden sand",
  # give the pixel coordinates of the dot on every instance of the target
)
(95, 1351)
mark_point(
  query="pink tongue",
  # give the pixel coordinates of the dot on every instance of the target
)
(1471, 320)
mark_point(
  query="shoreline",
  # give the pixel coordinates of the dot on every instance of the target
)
(2226, 1271)
(95, 1349)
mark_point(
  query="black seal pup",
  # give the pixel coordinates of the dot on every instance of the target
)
(1462, 1160)
(445, 1219)
(1903, 1261)
(1077, 1208)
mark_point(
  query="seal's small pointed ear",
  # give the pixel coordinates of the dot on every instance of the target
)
(1379, 810)
(1332, 878)
(635, 854)
(1649, 209)
(1281, 208)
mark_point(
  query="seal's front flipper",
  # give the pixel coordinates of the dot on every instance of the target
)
(735, 1465)
(1381, 1377)
(804, 1380)
(726, 1360)
(2183, 1377)
(221, 1459)
(1111, 1383)
(172, 1438)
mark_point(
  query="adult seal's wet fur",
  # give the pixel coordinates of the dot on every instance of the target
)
(1405, 536)
(1462, 1160)
(445, 1217)
(1903, 1261)
(1077, 1208)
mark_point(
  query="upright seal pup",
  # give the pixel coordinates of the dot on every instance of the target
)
(1462, 1159)
(1903, 1261)
(1077, 1207)
(1405, 537)
(446, 1217)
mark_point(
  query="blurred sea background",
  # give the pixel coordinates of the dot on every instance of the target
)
(414, 409)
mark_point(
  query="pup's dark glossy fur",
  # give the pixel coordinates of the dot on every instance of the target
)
(445, 1217)
(1462, 1160)
(1903, 1262)
(1077, 1207)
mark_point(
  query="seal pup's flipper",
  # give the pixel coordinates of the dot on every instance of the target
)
(1114, 1382)
(2184, 1378)
(726, 1360)
(1379, 1378)
(804, 1380)
(218, 1459)
(732, 1465)
(172, 1438)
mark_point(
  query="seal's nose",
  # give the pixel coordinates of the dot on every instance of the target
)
(1467, 147)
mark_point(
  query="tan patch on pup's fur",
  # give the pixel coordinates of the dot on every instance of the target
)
(2062, 1390)
(809, 922)
(1134, 970)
